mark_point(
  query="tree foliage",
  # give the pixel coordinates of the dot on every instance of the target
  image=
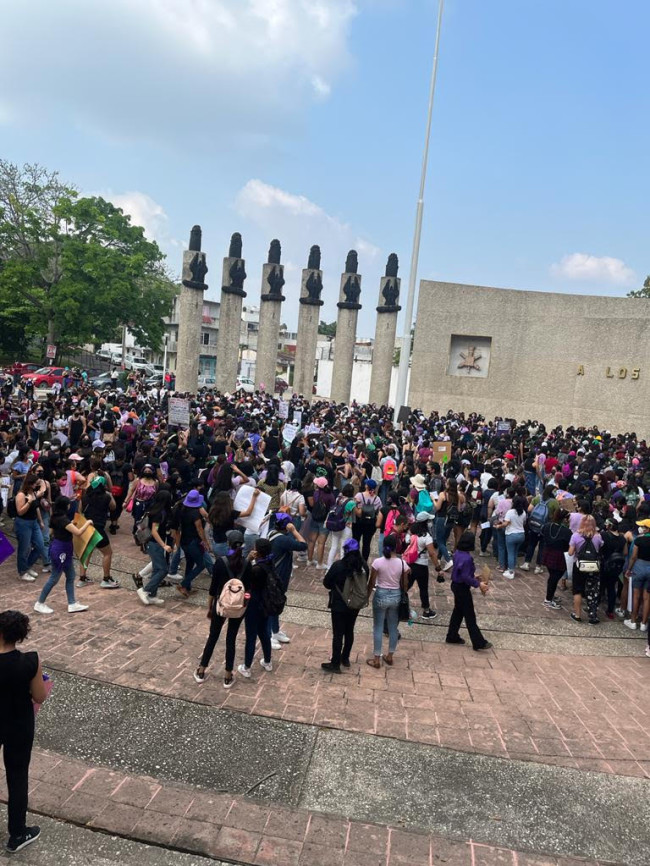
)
(643, 292)
(327, 330)
(75, 269)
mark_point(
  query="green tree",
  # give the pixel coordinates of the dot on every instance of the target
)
(327, 330)
(644, 292)
(75, 269)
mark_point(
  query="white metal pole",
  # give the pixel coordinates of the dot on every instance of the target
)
(405, 351)
(164, 359)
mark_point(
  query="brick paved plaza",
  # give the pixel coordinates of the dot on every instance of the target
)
(554, 707)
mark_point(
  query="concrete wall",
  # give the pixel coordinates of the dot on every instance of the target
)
(560, 359)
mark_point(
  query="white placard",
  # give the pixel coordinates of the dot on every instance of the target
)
(283, 409)
(179, 411)
(289, 432)
(313, 428)
(297, 418)
(486, 525)
(243, 500)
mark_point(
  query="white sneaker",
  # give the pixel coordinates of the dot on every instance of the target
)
(76, 607)
(448, 565)
(282, 637)
(244, 671)
(525, 566)
(41, 607)
(509, 575)
(539, 569)
(46, 569)
(275, 644)
(313, 562)
(155, 599)
(644, 626)
(143, 596)
(32, 572)
(26, 577)
(629, 624)
(647, 651)
(483, 553)
(268, 666)
(322, 567)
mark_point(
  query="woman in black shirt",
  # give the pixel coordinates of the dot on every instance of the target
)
(21, 683)
(343, 617)
(556, 537)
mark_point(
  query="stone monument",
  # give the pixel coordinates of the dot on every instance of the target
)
(270, 311)
(346, 330)
(232, 295)
(308, 320)
(190, 311)
(384, 348)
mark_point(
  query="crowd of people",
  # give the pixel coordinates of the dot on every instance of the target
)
(345, 491)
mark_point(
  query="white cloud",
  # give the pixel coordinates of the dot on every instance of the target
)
(192, 69)
(598, 269)
(144, 211)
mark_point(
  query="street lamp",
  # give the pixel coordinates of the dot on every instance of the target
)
(405, 353)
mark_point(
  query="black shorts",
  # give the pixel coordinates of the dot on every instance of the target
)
(105, 540)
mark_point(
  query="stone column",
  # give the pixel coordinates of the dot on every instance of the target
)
(384, 347)
(270, 312)
(308, 321)
(232, 295)
(346, 331)
(190, 313)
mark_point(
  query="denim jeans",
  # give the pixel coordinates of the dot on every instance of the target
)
(62, 562)
(194, 562)
(159, 562)
(30, 543)
(257, 626)
(45, 515)
(385, 605)
(513, 542)
(530, 479)
(500, 538)
(440, 525)
(219, 548)
(380, 543)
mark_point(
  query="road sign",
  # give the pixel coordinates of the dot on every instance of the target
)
(50, 352)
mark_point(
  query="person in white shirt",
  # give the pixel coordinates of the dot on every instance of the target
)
(514, 524)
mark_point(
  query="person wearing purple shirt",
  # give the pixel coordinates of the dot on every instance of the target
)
(585, 582)
(462, 580)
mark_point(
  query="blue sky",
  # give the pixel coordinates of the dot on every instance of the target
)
(304, 119)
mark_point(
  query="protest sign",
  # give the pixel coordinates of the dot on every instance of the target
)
(243, 500)
(179, 412)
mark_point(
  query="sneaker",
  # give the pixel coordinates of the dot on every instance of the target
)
(153, 599)
(184, 592)
(109, 583)
(525, 566)
(620, 613)
(282, 637)
(137, 580)
(41, 607)
(429, 614)
(509, 575)
(275, 644)
(483, 553)
(609, 615)
(594, 620)
(76, 607)
(228, 681)
(575, 617)
(26, 577)
(314, 562)
(32, 572)
(84, 580)
(143, 596)
(268, 666)
(448, 565)
(647, 651)
(539, 569)
(330, 668)
(46, 569)
(345, 663)
(644, 626)
(553, 605)
(487, 645)
(244, 671)
(199, 676)
(455, 640)
(175, 576)
(629, 624)
(322, 567)
(17, 843)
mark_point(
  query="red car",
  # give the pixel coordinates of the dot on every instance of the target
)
(19, 369)
(45, 376)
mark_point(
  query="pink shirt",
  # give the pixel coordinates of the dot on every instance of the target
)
(389, 572)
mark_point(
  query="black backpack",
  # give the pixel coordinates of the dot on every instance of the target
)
(587, 559)
(11, 508)
(320, 510)
(274, 598)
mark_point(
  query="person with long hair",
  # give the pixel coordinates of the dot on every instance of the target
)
(222, 518)
(27, 525)
(97, 504)
(389, 576)
(556, 537)
(448, 506)
(21, 685)
(158, 547)
(323, 500)
(272, 486)
(141, 492)
(638, 571)
(256, 619)
(426, 552)
(613, 553)
(63, 531)
(350, 510)
(343, 617)
(463, 578)
(233, 565)
(584, 582)
(513, 523)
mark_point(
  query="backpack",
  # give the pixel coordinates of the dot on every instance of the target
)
(355, 591)
(453, 514)
(389, 469)
(274, 598)
(12, 511)
(587, 558)
(336, 519)
(319, 511)
(368, 511)
(143, 531)
(232, 602)
(538, 517)
(425, 503)
(412, 551)
(613, 565)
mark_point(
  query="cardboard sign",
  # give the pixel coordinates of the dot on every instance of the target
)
(243, 500)
(179, 412)
(503, 427)
(569, 503)
(84, 544)
(283, 409)
(289, 432)
(441, 452)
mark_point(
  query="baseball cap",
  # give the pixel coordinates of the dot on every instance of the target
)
(234, 536)
(371, 484)
(282, 518)
(644, 523)
(423, 517)
(320, 482)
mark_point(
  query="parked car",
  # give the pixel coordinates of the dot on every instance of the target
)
(139, 363)
(245, 384)
(207, 382)
(157, 369)
(102, 381)
(45, 377)
(154, 381)
(20, 369)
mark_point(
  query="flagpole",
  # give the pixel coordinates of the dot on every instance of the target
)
(405, 350)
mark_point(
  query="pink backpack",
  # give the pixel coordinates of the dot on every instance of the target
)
(412, 552)
(232, 602)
